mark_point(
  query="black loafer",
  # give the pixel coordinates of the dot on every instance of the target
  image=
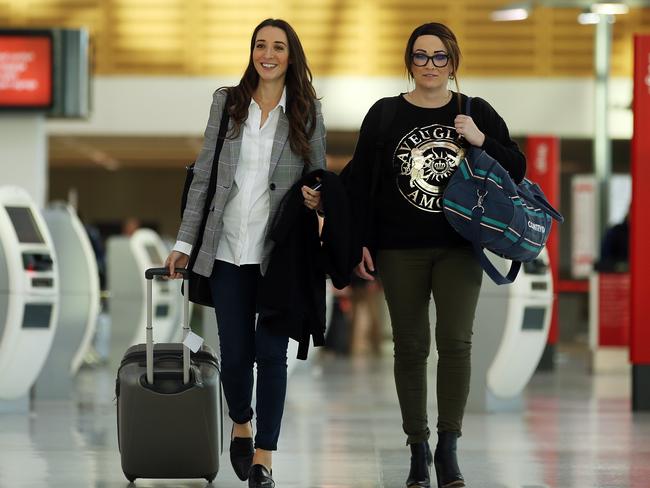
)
(241, 456)
(260, 477)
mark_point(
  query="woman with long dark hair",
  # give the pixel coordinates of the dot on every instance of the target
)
(418, 254)
(275, 136)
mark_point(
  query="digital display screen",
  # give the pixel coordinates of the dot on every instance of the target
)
(162, 311)
(37, 316)
(154, 255)
(535, 267)
(533, 318)
(37, 262)
(25, 69)
(25, 225)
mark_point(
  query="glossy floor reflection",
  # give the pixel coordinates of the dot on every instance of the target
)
(342, 429)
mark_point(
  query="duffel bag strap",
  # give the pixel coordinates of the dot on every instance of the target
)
(486, 264)
(549, 209)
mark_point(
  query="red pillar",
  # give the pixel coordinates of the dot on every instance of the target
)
(639, 229)
(543, 167)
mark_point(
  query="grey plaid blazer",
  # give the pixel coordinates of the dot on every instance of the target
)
(286, 168)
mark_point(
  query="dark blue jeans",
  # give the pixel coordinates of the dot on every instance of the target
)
(234, 292)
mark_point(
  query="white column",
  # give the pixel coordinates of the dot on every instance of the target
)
(602, 143)
(23, 153)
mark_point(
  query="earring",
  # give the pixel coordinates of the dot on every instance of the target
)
(451, 77)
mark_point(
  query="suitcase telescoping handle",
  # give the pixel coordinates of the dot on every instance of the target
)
(149, 274)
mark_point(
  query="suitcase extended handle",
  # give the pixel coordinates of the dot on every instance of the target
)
(149, 274)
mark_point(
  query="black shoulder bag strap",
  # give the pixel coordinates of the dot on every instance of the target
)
(214, 170)
(199, 289)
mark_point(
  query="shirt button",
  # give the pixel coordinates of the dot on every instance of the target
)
(272, 186)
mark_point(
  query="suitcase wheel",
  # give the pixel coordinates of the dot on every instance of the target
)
(210, 478)
(130, 477)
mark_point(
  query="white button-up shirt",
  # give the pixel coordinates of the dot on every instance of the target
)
(247, 211)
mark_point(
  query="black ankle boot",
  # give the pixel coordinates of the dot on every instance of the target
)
(419, 473)
(447, 471)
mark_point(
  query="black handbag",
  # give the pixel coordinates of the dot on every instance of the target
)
(199, 286)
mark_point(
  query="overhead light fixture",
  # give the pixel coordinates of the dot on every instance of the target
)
(512, 12)
(610, 8)
(590, 18)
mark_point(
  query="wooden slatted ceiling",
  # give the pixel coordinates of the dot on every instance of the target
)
(148, 35)
(341, 37)
(5, 12)
(496, 48)
(571, 44)
(72, 13)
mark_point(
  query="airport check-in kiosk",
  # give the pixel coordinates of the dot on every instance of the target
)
(127, 259)
(79, 300)
(510, 332)
(29, 294)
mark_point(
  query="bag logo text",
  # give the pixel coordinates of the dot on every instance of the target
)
(537, 227)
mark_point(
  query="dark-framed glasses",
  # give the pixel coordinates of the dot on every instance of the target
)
(439, 60)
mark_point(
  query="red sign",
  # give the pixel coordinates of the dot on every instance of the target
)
(640, 212)
(543, 167)
(25, 71)
(613, 309)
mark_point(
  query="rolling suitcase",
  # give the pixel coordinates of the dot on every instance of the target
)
(169, 408)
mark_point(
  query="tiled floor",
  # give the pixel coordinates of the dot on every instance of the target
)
(342, 429)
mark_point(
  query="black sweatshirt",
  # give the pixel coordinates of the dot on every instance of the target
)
(421, 151)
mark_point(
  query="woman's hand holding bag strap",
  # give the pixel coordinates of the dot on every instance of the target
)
(485, 206)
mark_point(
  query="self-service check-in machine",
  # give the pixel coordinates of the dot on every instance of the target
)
(510, 333)
(79, 300)
(127, 259)
(29, 293)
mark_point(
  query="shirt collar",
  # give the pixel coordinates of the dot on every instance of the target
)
(282, 103)
(283, 100)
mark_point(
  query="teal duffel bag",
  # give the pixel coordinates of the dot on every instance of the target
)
(484, 205)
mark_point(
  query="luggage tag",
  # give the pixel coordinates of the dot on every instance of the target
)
(193, 341)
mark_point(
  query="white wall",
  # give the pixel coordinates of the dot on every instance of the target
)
(23, 153)
(179, 106)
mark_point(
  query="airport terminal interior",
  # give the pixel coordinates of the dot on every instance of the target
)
(103, 105)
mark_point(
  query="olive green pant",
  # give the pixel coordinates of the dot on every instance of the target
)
(410, 277)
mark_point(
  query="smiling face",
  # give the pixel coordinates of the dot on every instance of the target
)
(271, 53)
(429, 76)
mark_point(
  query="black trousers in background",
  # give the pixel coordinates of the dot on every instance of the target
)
(234, 291)
(410, 277)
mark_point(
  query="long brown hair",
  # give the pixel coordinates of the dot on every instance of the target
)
(300, 106)
(450, 42)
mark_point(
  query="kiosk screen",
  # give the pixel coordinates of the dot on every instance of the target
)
(37, 316)
(154, 255)
(162, 311)
(25, 225)
(533, 318)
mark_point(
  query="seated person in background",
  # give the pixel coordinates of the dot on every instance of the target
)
(614, 248)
